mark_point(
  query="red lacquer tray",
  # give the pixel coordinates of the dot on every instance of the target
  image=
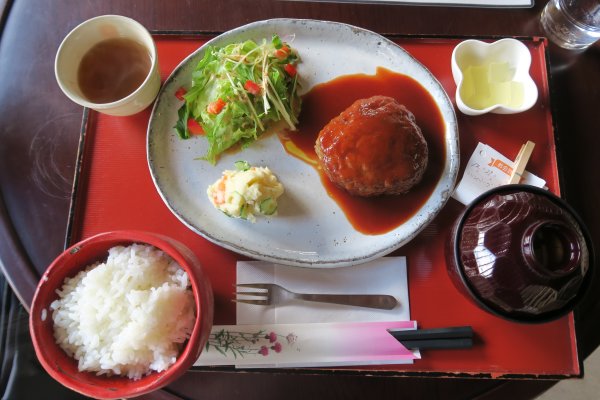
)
(114, 190)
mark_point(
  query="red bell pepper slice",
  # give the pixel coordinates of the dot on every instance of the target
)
(251, 87)
(180, 93)
(216, 106)
(194, 127)
(282, 53)
(290, 69)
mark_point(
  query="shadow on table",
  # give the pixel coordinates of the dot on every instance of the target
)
(21, 375)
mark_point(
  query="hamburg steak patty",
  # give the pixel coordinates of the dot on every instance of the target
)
(373, 147)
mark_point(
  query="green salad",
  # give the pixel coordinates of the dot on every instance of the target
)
(237, 92)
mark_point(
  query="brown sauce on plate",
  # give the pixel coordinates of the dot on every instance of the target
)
(381, 214)
(113, 69)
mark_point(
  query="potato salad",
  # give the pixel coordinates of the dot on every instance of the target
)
(246, 192)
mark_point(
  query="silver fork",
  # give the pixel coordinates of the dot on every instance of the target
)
(275, 294)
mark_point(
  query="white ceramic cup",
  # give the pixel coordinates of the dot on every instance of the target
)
(85, 36)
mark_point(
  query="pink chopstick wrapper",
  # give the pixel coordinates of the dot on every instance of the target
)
(306, 345)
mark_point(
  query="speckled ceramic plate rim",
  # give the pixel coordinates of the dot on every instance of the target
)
(372, 46)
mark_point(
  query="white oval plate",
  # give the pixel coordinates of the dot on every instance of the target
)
(310, 229)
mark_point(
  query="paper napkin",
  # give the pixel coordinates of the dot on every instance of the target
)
(385, 275)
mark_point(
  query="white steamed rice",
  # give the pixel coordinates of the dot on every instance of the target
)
(127, 316)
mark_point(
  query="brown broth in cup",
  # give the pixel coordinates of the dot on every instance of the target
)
(113, 69)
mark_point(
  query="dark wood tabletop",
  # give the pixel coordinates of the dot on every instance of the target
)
(40, 130)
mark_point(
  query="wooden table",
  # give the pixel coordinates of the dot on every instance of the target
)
(40, 134)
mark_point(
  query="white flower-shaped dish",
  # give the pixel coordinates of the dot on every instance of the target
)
(474, 53)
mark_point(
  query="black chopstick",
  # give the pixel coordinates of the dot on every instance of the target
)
(436, 333)
(433, 344)
(459, 337)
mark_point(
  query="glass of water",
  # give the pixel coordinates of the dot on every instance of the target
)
(572, 24)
